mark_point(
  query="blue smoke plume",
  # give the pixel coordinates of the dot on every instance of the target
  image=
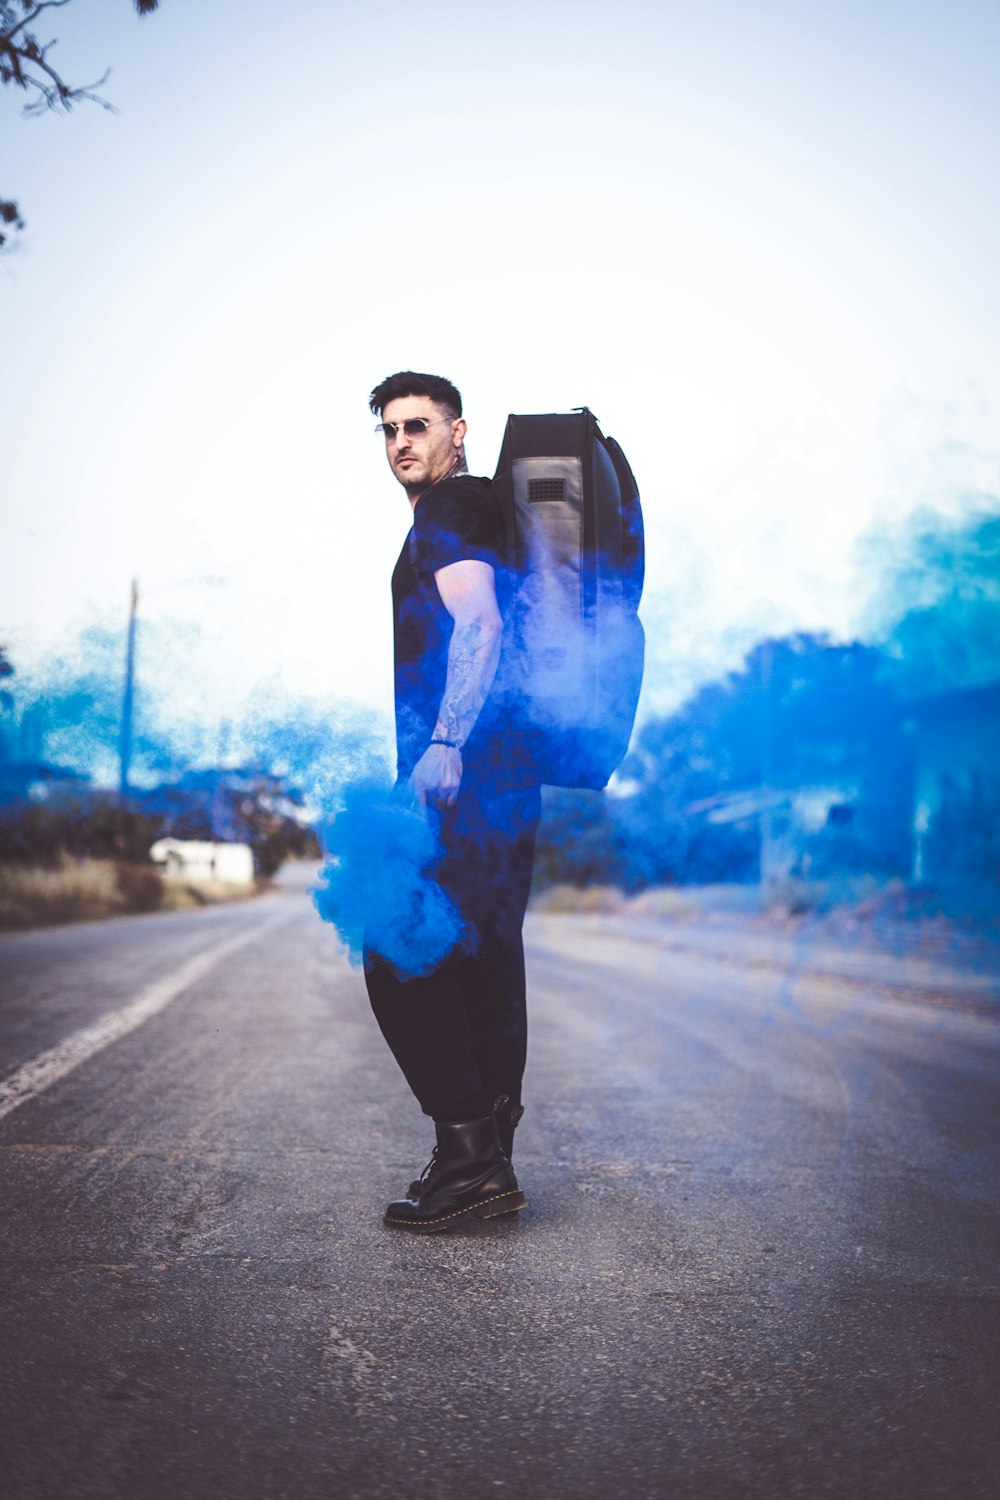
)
(375, 887)
(64, 714)
(815, 759)
(322, 763)
(938, 610)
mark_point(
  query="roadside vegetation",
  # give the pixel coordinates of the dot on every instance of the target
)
(81, 856)
(83, 890)
(786, 899)
(894, 916)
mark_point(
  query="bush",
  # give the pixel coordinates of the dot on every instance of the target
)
(91, 825)
(140, 887)
(74, 891)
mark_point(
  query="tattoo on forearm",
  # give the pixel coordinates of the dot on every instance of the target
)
(472, 662)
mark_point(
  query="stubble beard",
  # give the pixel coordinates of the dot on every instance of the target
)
(415, 486)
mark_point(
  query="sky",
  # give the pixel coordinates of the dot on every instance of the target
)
(759, 240)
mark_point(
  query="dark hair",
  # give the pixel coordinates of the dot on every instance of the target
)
(410, 383)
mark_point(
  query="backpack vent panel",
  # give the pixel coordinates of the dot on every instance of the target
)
(540, 490)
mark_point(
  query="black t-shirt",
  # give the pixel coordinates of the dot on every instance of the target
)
(454, 520)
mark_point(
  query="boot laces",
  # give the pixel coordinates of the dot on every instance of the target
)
(425, 1174)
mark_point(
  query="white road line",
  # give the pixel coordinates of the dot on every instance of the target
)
(55, 1062)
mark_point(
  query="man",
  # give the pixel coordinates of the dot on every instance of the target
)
(459, 1033)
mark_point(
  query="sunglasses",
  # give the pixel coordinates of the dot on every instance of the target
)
(415, 427)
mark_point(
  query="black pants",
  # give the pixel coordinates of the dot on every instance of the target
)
(460, 1033)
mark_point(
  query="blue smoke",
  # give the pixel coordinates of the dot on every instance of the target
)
(280, 758)
(319, 747)
(937, 616)
(66, 712)
(375, 887)
(64, 715)
(843, 759)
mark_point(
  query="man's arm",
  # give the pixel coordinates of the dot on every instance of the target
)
(468, 593)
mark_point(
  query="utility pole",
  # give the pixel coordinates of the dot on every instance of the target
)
(128, 697)
(219, 791)
(767, 863)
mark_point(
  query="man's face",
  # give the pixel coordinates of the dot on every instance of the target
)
(418, 462)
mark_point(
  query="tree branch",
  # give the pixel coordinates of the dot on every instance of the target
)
(54, 95)
(24, 63)
(9, 217)
(58, 95)
(27, 19)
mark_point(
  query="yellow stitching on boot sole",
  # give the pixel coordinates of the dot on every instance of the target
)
(512, 1192)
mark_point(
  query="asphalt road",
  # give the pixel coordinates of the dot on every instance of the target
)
(760, 1256)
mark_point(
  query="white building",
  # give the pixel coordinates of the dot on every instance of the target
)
(200, 861)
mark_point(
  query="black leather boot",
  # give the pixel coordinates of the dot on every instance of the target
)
(470, 1178)
(507, 1118)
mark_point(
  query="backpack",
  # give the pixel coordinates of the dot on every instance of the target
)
(571, 665)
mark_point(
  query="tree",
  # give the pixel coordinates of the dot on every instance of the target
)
(6, 697)
(25, 65)
(802, 714)
(941, 600)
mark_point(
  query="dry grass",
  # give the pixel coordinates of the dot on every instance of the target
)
(72, 892)
(182, 895)
(660, 903)
(677, 901)
(592, 898)
(790, 899)
(82, 891)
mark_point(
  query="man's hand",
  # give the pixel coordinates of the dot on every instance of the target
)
(437, 776)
